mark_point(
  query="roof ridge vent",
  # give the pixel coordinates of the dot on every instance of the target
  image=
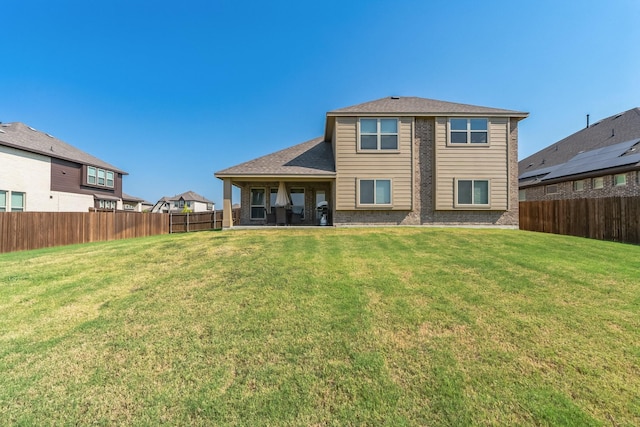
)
(395, 97)
(32, 128)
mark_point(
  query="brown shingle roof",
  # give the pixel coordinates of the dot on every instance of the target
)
(314, 157)
(612, 130)
(23, 137)
(411, 105)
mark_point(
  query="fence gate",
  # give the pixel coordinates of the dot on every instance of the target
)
(194, 221)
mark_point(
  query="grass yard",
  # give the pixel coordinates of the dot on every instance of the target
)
(323, 327)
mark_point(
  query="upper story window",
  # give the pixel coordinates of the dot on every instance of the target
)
(100, 177)
(468, 131)
(378, 134)
(375, 192)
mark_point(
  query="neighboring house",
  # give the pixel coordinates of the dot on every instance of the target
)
(189, 200)
(397, 160)
(41, 173)
(135, 204)
(601, 160)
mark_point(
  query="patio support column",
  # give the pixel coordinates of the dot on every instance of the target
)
(227, 211)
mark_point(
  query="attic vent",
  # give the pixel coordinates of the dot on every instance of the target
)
(529, 165)
(1, 131)
(5, 125)
(617, 116)
(395, 97)
(32, 129)
(50, 136)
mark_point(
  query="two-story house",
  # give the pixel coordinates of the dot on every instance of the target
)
(41, 173)
(189, 201)
(600, 160)
(392, 161)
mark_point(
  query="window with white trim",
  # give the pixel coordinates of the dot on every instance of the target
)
(107, 204)
(468, 131)
(375, 192)
(578, 185)
(472, 192)
(100, 177)
(378, 134)
(598, 183)
(92, 175)
(620, 179)
(257, 203)
(3, 201)
(17, 201)
(522, 195)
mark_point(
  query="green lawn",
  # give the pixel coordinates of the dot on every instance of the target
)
(315, 327)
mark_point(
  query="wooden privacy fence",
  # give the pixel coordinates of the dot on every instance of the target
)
(199, 221)
(34, 230)
(609, 218)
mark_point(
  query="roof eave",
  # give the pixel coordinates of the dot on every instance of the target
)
(515, 114)
(275, 177)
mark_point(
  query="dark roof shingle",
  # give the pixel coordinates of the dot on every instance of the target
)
(314, 157)
(23, 137)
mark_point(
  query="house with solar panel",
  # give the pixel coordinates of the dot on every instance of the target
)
(41, 173)
(392, 161)
(601, 160)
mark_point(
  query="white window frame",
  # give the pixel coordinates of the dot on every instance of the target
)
(24, 201)
(379, 134)
(472, 204)
(92, 175)
(375, 187)
(548, 189)
(3, 204)
(97, 177)
(579, 185)
(469, 132)
(598, 183)
(107, 204)
(622, 183)
(263, 205)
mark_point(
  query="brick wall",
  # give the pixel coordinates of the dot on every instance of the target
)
(565, 190)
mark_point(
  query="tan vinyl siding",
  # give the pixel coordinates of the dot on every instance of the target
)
(469, 162)
(352, 165)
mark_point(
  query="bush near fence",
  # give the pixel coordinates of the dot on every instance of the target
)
(34, 230)
(608, 218)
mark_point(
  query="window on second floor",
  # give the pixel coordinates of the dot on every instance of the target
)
(378, 134)
(100, 177)
(468, 131)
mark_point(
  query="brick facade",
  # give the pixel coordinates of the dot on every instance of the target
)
(423, 201)
(566, 189)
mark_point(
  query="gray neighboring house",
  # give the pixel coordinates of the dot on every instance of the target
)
(41, 173)
(189, 199)
(392, 161)
(601, 160)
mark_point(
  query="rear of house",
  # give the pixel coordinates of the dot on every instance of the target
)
(393, 161)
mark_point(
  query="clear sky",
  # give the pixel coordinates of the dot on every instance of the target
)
(172, 92)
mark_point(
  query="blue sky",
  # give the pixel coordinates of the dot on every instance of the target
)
(173, 91)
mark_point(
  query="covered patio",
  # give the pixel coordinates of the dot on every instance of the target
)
(295, 186)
